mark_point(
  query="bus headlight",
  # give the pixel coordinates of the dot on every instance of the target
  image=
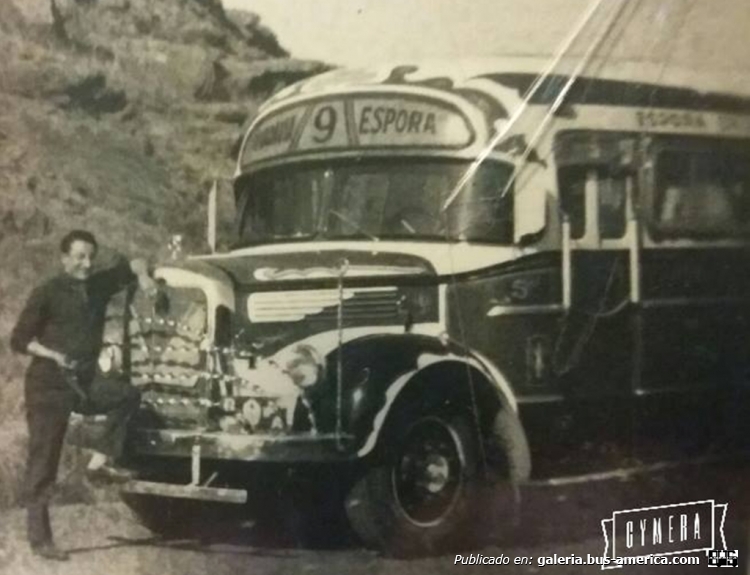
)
(110, 359)
(304, 366)
(252, 412)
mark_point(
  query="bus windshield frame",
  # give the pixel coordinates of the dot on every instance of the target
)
(376, 198)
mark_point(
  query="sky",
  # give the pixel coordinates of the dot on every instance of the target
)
(708, 36)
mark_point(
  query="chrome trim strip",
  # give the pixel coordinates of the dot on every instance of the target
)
(249, 438)
(499, 310)
(548, 398)
(641, 392)
(693, 301)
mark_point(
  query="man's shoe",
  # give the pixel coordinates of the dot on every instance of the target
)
(50, 551)
(110, 473)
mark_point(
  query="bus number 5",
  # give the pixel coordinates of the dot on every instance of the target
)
(325, 123)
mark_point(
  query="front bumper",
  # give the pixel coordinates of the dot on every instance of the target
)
(243, 447)
(196, 492)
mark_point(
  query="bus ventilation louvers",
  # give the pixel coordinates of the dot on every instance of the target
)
(373, 304)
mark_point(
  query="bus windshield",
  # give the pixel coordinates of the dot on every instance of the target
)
(376, 199)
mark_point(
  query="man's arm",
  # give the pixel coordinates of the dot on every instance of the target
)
(39, 350)
(30, 323)
(124, 272)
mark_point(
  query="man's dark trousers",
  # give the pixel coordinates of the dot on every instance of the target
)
(47, 415)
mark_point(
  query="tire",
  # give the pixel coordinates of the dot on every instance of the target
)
(487, 497)
(419, 497)
(508, 466)
(508, 450)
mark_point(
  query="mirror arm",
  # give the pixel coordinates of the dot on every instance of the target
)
(211, 223)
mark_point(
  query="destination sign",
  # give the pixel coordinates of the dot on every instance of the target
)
(381, 122)
(670, 120)
(692, 122)
(274, 137)
(367, 122)
(325, 128)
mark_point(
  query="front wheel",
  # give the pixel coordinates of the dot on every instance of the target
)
(422, 494)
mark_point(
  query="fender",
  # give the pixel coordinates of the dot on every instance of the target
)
(428, 364)
(379, 369)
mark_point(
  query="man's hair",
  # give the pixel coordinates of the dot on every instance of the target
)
(76, 236)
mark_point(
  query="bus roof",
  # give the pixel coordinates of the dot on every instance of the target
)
(457, 107)
(602, 81)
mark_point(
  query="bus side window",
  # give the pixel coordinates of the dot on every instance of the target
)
(572, 182)
(612, 221)
(610, 201)
(702, 193)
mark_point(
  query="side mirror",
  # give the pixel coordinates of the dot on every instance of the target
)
(220, 215)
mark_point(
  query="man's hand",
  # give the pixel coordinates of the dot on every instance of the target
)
(139, 267)
(146, 283)
(36, 348)
(66, 363)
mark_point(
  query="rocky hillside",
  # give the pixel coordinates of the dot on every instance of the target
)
(114, 116)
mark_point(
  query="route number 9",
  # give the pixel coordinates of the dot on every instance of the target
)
(325, 124)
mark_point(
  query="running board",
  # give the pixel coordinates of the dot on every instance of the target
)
(220, 494)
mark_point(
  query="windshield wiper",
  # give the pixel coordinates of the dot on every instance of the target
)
(354, 224)
(409, 228)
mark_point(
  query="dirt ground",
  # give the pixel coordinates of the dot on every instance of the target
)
(559, 520)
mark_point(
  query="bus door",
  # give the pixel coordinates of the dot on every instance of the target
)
(695, 283)
(595, 349)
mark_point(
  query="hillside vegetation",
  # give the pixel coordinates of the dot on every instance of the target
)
(115, 115)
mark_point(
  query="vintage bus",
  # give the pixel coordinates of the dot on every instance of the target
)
(452, 277)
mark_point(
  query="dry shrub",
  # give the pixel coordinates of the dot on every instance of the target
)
(13, 439)
(72, 484)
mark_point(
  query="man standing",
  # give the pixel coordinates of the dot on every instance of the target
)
(61, 327)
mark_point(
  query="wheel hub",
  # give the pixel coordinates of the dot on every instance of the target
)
(436, 473)
(428, 475)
